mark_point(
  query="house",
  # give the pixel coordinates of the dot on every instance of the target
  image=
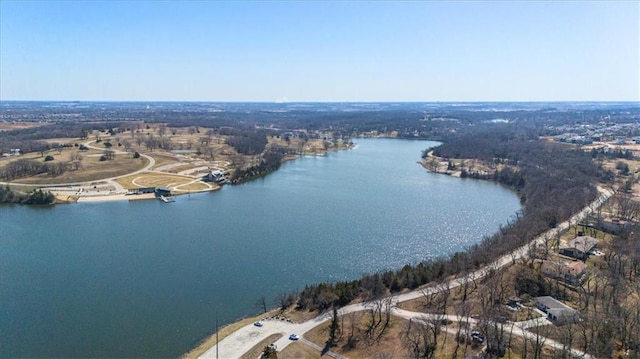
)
(214, 176)
(158, 191)
(142, 190)
(557, 312)
(570, 272)
(12, 152)
(579, 247)
(162, 191)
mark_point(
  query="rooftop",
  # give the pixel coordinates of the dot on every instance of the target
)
(582, 243)
(553, 304)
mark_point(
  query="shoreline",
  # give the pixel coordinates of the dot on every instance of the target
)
(75, 196)
(429, 288)
(223, 331)
(118, 197)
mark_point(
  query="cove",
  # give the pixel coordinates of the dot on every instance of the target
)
(146, 279)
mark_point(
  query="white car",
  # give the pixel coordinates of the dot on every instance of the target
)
(294, 336)
(258, 324)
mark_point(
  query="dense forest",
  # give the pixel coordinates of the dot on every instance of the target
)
(7, 195)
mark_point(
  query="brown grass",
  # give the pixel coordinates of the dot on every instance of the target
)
(259, 348)
(162, 158)
(390, 342)
(92, 170)
(390, 345)
(196, 187)
(177, 169)
(299, 350)
(151, 179)
(6, 126)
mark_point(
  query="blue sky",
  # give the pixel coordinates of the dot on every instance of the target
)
(320, 51)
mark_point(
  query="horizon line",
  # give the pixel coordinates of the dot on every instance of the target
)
(364, 102)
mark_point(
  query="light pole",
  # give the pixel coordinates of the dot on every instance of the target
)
(217, 342)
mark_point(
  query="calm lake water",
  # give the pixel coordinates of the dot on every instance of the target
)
(143, 278)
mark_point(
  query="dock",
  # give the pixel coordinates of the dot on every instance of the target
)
(167, 199)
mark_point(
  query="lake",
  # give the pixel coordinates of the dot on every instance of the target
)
(145, 278)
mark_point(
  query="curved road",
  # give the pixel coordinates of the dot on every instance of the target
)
(110, 180)
(242, 340)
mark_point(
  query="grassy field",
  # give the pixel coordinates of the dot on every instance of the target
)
(390, 342)
(299, 350)
(92, 170)
(162, 158)
(152, 179)
(195, 187)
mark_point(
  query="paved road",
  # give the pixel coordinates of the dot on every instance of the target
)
(239, 342)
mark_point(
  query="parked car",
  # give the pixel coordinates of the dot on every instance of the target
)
(258, 324)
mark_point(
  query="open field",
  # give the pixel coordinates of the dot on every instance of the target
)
(299, 350)
(195, 187)
(92, 169)
(163, 158)
(9, 126)
(153, 180)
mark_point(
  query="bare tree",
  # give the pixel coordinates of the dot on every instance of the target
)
(417, 340)
(285, 300)
(109, 154)
(151, 142)
(162, 130)
(354, 319)
(539, 338)
(463, 311)
(567, 334)
(261, 303)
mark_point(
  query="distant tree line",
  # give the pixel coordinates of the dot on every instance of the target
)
(609, 153)
(28, 139)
